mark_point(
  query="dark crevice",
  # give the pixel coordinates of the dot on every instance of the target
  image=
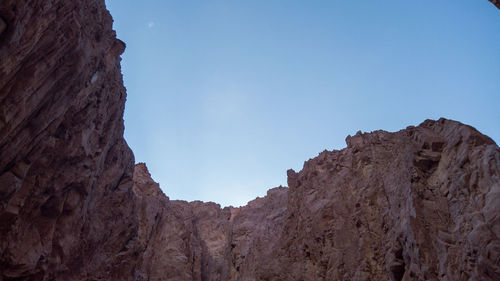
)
(398, 266)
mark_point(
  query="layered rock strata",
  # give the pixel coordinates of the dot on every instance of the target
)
(419, 204)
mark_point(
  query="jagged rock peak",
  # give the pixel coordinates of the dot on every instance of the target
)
(143, 183)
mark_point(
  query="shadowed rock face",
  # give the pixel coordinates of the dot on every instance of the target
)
(66, 200)
(496, 3)
(419, 204)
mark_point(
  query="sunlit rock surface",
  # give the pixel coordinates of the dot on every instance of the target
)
(419, 204)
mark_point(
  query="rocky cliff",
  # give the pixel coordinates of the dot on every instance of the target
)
(66, 199)
(496, 3)
(419, 204)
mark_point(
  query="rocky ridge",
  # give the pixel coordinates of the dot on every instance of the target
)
(419, 204)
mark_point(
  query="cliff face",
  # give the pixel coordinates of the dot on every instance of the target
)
(496, 3)
(419, 204)
(200, 241)
(65, 170)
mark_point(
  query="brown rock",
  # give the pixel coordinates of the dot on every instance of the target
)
(496, 3)
(3, 26)
(409, 205)
(65, 170)
(419, 204)
(201, 241)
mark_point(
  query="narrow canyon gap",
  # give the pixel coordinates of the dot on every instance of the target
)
(419, 204)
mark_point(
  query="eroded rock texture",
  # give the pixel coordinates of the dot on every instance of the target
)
(419, 204)
(65, 170)
(200, 241)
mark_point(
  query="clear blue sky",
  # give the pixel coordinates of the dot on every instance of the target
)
(225, 96)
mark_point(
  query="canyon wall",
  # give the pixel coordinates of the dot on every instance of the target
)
(65, 169)
(419, 204)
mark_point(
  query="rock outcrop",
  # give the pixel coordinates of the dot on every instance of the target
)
(496, 3)
(419, 204)
(66, 197)
(200, 241)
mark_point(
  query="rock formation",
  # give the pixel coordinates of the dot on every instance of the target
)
(66, 199)
(419, 204)
(496, 3)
